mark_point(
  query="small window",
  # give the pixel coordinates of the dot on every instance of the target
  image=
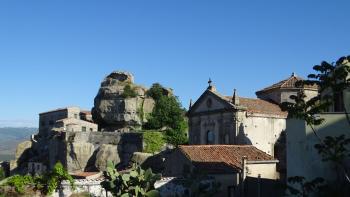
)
(76, 116)
(210, 137)
(91, 129)
(83, 128)
(51, 122)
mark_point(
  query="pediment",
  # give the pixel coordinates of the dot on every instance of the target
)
(209, 101)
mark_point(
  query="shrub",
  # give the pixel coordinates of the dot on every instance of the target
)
(137, 182)
(176, 138)
(2, 173)
(154, 141)
(47, 183)
(129, 92)
(20, 182)
(55, 177)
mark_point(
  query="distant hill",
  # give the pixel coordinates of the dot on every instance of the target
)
(10, 137)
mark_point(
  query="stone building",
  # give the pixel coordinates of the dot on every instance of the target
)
(218, 119)
(230, 165)
(65, 119)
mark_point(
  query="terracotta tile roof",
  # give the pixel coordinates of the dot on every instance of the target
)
(259, 106)
(58, 109)
(287, 83)
(86, 112)
(222, 157)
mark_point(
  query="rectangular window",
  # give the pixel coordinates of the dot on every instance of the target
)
(83, 128)
(91, 129)
(76, 116)
(51, 122)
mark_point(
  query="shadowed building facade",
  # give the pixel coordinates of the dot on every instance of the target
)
(218, 119)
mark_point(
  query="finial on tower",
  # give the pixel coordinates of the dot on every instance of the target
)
(190, 104)
(235, 98)
(293, 74)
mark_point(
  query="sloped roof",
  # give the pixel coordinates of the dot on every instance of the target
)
(286, 84)
(259, 106)
(252, 105)
(222, 157)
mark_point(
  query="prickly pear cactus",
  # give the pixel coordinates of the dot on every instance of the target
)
(136, 183)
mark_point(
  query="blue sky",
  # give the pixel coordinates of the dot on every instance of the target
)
(55, 53)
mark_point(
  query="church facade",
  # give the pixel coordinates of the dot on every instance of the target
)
(218, 119)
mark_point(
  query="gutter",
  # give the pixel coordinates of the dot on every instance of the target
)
(262, 162)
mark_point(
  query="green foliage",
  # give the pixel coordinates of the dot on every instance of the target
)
(305, 188)
(154, 141)
(167, 114)
(156, 91)
(176, 138)
(47, 183)
(55, 177)
(2, 174)
(20, 182)
(334, 149)
(129, 92)
(331, 78)
(137, 182)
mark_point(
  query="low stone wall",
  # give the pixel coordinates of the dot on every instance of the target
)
(93, 187)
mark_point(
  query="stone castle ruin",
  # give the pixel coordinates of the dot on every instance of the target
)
(82, 140)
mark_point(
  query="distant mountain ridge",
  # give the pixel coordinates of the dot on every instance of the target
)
(10, 137)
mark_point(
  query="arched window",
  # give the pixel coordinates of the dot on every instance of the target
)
(210, 137)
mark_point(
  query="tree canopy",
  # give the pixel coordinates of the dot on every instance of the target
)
(167, 114)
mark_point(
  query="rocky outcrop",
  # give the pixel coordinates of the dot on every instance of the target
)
(78, 155)
(106, 152)
(120, 104)
(21, 148)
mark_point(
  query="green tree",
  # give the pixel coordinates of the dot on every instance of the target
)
(167, 114)
(331, 80)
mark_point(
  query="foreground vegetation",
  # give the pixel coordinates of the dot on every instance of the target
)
(136, 182)
(45, 184)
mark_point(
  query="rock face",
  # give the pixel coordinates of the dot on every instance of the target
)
(106, 152)
(21, 148)
(23, 153)
(78, 155)
(120, 104)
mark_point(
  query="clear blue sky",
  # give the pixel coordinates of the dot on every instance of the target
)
(55, 53)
